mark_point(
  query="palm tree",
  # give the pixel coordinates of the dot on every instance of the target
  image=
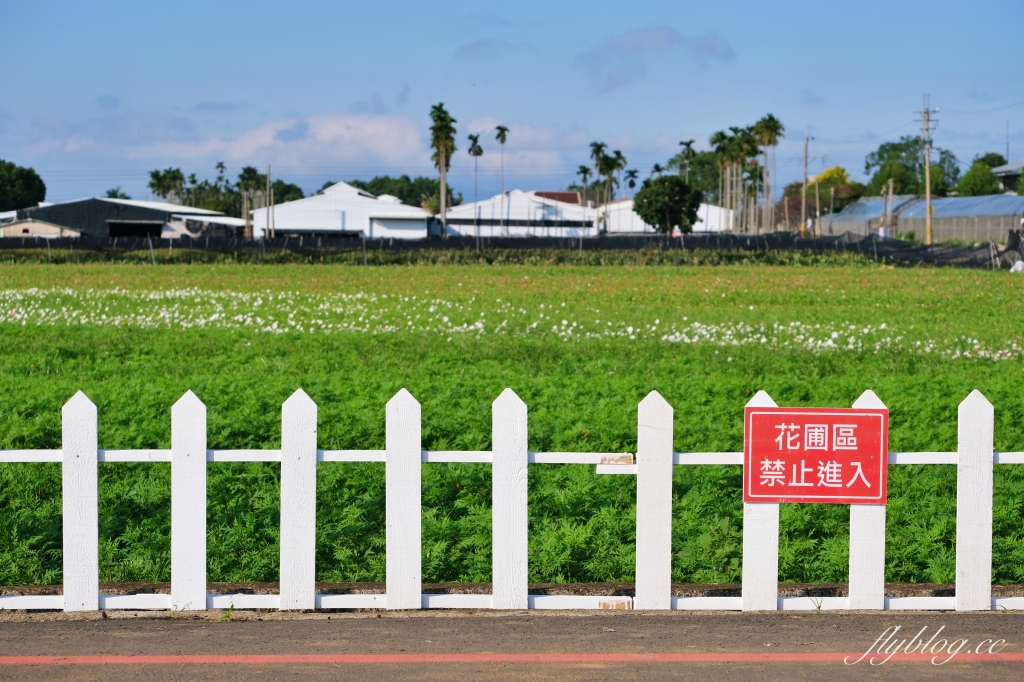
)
(767, 132)
(597, 153)
(631, 178)
(476, 151)
(656, 170)
(618, 164)
(584, 173)
(442, 139)
(687, 156)
(501, 134)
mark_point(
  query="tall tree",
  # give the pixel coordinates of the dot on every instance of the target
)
(767, 133)
(501, 135)
(442, 139)
(19, 187)
(476, 151)
(631, 176)
(584, 173)
(613, 163)
(116, 193)
(685, 158)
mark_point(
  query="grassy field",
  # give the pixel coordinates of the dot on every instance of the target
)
(581, 345)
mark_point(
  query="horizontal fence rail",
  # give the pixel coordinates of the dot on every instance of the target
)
(403, 458)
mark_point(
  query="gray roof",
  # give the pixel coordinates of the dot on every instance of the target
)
(1014, 168)
(968, 207)
(871, 208)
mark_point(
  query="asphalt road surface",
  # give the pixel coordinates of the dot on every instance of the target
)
(507, 646)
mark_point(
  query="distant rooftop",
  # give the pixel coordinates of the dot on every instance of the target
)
(1014, 168)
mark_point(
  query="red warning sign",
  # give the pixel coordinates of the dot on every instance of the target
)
(800, 454)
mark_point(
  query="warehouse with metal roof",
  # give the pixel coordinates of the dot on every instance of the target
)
(103, 218)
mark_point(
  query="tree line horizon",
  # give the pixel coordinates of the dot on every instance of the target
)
(737, 172)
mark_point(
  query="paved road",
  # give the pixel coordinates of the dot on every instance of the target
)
(746, 638)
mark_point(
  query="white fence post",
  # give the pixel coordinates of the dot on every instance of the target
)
(188, 504)
(867, 540)
(654, 504)
(79, 477)
(509, 540)
(974, 504)
(298, 502)
(760, 543)
(403, 508)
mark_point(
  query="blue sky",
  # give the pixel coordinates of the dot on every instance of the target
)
(94, 95)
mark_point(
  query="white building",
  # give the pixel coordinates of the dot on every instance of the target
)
(522, 214)
(533, 214)
(622, 219)
(344, 209)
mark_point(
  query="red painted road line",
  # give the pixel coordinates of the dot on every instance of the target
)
(272, 659)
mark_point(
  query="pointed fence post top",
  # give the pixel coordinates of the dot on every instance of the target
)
(403, 397)
(655, 407)
(761, 399)
(79, 401)
(299, 399)
(188, 401)
(976, 401)
(508, 398)
(654, 399)
(869, 401)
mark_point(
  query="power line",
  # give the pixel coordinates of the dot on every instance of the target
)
(984, 111)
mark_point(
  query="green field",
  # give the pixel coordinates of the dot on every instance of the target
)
(581, 345)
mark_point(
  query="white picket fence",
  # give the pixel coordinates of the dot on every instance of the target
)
(509, 459)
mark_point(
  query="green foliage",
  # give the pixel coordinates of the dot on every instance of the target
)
(116, 193)
(668, 203)
(836, 191)
(1020, 185)
(903, 161)
(285, 191)
(442, 135)
(651, 256)
(19, 187)
(704, 175)
(412, 191)
(167, 184)
(219, 194)
(978, 181)
(582, 396)
(992, 159)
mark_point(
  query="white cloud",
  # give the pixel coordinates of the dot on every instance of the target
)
(319, 140)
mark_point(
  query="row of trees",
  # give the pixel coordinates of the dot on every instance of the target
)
(442, 142)
(737, 173)
(420, 191)
(19, 187)
(219, 194)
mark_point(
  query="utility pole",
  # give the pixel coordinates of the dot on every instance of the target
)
(803, 192)
(926, 134)
(266, 203)
(817, 204)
